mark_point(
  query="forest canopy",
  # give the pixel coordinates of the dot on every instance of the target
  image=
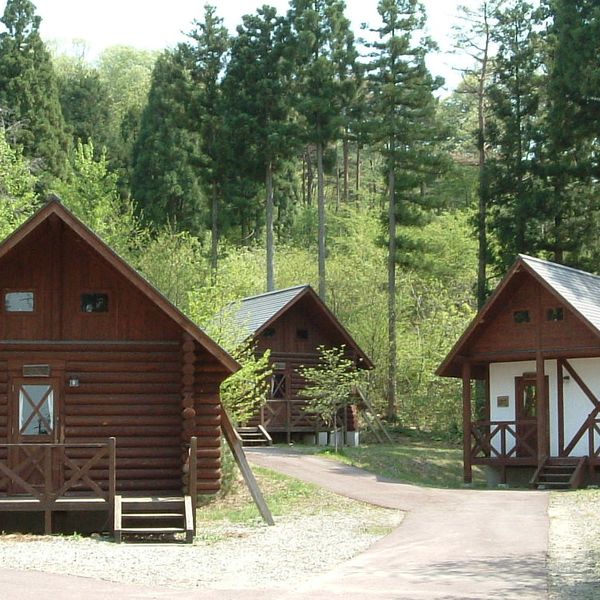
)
(291, 152)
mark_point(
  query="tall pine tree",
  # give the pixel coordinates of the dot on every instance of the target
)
(257, 90)
(168, 154)
(404, 129)
(28, 88)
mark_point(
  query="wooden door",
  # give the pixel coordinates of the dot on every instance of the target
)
(35, 405)
(526, 415)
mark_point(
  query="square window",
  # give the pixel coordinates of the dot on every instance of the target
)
(94, 303)
(521, 316)
(19, 301)
(302, 334)
(555, 314)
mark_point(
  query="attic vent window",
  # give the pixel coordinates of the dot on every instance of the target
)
(269, 332)
(521, 316)
(19, 302)
(555, 314)
(94, 303)
(302, 334)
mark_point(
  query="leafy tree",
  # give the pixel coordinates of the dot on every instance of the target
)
(474, 35)
(324, 48)
(84, 101)
(28, 87)
(17, 196)
(257, 89)
(207, 53)
(168, 153)
(329, 385)
(91, 191)
(566, 156)
(515, 212)
(405, 131)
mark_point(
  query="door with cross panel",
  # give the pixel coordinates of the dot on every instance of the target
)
(34, 426)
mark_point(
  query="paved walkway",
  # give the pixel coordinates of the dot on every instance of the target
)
(453, 544)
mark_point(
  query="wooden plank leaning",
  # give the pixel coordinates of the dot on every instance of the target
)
(235, 444)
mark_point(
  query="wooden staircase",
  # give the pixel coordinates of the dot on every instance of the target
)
(368, 413)
(559, 474)
(254, 436)
(153, 516)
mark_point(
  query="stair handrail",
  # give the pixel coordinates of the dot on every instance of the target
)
(536, 475)
(577, 476)
(266, 435)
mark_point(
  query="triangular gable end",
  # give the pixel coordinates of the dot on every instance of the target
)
(450, 367)
(307, 292)
(54, 207)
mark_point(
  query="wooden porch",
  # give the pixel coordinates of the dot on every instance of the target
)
(50, 478)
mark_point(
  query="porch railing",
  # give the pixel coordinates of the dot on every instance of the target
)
(504, 440)
(32, 469)
(590, 429)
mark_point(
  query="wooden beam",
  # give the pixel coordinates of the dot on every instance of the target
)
(235, 444)
(467, 412)
(560, 406)
(543, 445)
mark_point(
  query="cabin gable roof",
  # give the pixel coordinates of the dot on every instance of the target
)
(256, 313)
(54, 209)
(577, 290)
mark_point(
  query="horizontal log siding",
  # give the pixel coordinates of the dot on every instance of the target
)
(130, 392)
(208, 375)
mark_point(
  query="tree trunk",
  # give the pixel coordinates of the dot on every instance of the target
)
(346, 152)
(310, 176)
(482, 249)
(392, 335)
(269, 223)
(321, 217)
(357, 170)
(214, 244)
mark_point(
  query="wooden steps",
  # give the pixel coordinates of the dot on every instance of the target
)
(559, 474)
(254, 436)
(153, 516)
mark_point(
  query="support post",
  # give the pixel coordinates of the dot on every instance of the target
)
(112, 477)
(193, 475)
(543, 441)
(561, 407)
(467, 412)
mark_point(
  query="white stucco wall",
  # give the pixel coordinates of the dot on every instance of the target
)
(577, 406)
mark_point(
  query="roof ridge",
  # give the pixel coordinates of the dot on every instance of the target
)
(558, 265)
(273, 292)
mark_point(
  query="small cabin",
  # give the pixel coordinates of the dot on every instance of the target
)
(535, 350)
(107, 391)
(292, 323)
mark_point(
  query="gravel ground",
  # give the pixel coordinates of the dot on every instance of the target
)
(245, 556)
(574, 548)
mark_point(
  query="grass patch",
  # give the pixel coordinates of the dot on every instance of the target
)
(284, 496)
(412, 459)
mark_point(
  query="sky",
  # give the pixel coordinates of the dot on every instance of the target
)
(150, 24)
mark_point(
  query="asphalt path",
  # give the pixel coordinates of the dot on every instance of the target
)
(451, 545)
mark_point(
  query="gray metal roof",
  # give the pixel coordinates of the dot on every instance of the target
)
(253, 312)
(578, 288)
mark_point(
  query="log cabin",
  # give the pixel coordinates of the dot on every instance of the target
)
(292, 323)
(109, 395)
(534, 348)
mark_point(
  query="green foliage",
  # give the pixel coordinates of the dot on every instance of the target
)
(90, 190)
(17, 197)
(329, 384)
(174, 262)
(168, 151)
(28, 88)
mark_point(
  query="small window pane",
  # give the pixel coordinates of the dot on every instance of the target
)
(19, 302)
(278, 386)
(36, 410)
(521, 316)
(269, 332)
(302, 334)
(94, 303)
(555, 314)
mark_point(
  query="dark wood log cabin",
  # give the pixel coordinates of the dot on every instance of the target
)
(292, 323)
(535, 346)
(92, 360)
